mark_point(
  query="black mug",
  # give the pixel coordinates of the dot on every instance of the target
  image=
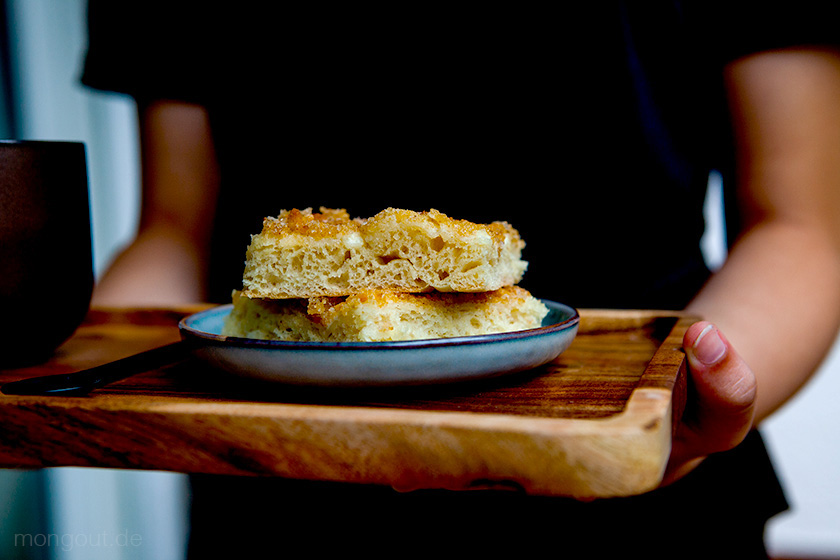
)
(46, 264)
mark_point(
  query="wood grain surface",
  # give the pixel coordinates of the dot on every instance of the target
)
(595, 422)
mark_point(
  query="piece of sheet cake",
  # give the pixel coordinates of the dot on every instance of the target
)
(304, 254)
(385, 316)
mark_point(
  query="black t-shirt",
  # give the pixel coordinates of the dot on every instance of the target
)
(591, 130)
(590, 127)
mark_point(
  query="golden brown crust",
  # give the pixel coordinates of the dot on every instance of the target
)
(328, 222)
(331, 222)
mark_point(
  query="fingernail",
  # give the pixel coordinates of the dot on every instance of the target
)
(709, 348)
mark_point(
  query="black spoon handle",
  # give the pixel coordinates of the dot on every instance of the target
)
(80, 383)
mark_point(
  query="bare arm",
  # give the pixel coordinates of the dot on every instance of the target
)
(777, 297)
(164, 265)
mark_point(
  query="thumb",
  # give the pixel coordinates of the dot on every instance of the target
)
(722, 408)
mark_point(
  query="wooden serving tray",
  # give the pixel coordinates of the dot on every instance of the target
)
(596, 422)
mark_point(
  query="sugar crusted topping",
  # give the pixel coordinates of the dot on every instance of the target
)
(331, 222)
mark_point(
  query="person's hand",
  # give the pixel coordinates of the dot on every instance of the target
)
(721, 400)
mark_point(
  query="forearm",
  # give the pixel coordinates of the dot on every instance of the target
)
(166, 262)
(159, 268)
(777, 299)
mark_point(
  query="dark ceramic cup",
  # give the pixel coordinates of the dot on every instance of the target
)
(46, 268)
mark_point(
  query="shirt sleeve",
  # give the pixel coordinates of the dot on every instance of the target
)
(149, 50)
(733, 30)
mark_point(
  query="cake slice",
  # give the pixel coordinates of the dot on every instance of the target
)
(384, 316)
(303, 254)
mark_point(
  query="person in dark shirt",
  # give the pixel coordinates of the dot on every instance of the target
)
(592, 129)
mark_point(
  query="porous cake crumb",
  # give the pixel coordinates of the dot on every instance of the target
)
(375, 316)
(304, 254)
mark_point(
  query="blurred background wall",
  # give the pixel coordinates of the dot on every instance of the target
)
(42, 43)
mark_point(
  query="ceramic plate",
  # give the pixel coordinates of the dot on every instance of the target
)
(414, 362)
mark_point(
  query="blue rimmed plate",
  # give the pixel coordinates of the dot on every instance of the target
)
(413, 362)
